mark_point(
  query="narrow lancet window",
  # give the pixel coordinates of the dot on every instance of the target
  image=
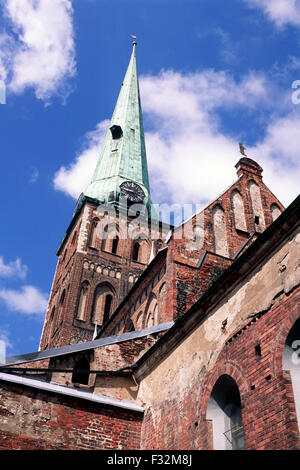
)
(82, 301)
(238, 211)
(219, 227)
(275, 211)
(224, 410)
(257, 208)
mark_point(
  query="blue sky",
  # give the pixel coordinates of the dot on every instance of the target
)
(212, 73)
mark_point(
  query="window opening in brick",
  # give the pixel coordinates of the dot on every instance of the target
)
(224, 409)
(136, 249)
(107, 306)
(115, 243)
(291, 363)
(258, 350)
(81, 372)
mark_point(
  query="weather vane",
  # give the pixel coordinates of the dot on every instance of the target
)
(242, 149)
(134, 37)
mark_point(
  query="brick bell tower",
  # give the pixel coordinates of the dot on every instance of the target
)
(114, 231)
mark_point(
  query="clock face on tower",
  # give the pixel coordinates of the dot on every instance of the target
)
(132, 191)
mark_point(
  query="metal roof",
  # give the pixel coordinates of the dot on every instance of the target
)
(123, 156)
(73, 348)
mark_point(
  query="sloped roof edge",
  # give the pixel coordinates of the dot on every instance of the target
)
(72, 348)
(69, 391)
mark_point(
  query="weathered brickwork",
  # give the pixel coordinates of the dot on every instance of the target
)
(192, 282)
(110, 359)
(268, 409)
(135, 312)
(34, 420)
(191, 244)
(88, 262)
(209, 310)
(241, 302)
(243, 337)
(195, 259)
(87, 258)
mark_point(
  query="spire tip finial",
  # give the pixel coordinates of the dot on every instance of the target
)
(134, 39)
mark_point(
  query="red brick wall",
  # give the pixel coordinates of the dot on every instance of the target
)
(67, 329)
(191, 283)
(235, 238)
(268, 410)
(139, 300)
(48, 421)
(70, 274)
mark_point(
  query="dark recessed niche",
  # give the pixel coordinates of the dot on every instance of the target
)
(116, 132)
(258, 350)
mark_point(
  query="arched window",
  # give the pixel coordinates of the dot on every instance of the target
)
(291, 362)
(104, 238)
(140, 250)
(81, 372)
(74, 238)
(139, 321)
(51, 323)
(257, 208)
(130, 326)
(135, 251)
(152, 313)
(224, 409)
(115, 243)
(238, 211)
(219, 227)
(102, 304)
(107, 307)
(93, 233)
(110, 239)
(61, 306)
(82, 300)
(275, 211)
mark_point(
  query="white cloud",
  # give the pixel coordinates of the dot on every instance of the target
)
(28, 300)
(39, 53)
(191, 96)
(279, 156)
(5, 341)
(6, 52)
(190, 159)
(281, 12)
(74, 179)
(14, 269)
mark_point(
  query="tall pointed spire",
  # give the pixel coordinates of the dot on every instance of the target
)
(123, 156)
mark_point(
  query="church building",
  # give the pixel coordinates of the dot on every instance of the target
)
(164, 337)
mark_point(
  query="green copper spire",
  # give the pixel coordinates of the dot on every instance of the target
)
(123, 156)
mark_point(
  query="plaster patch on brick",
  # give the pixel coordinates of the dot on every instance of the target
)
(83, 233)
